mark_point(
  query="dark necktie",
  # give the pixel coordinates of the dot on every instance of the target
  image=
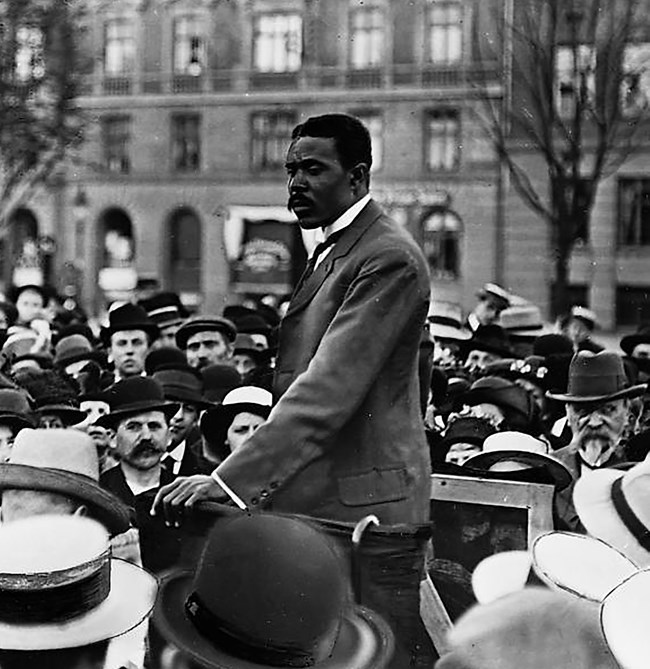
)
(318, 251)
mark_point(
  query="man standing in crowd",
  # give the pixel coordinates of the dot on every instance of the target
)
(345, 438)
(597, 405)
(128, 337)
(206, 340)
(492, 300)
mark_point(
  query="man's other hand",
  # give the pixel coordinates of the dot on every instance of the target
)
(179, 496)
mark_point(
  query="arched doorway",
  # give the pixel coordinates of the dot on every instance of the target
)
(117, 275)
(183, 271)
(20, 255)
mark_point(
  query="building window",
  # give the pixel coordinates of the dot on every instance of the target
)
(634, 212)
(29, 54)
(277, 43)
(366, 38)
(115, 140)
(575, 76)
(189, 46)
(186, 142)
(185, 252)
(632, 305)
(271, 135)
(374, 121)
(119, 47)
(443, 140)
(445, 32)
(441, 231)
(635, 84)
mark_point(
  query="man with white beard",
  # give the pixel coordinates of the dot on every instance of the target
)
(597, 405)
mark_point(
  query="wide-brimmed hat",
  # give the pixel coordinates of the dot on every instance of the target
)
(594, 377)
(134, 395)
(128, 317)
(490, 339)
(579, 565)
(500, 392)
(535, 628)
(215, 422)
(624, 621)
(75, 348)
(198, 324)
(512, 451)
(446, 321)
(614, 505)
(498, 295)
(641, 336)
(64, 462)
(251, 604)
(53, 392)
(182, 385)
(61, 588)
(523, 320)
(15, 409)
(501, 574)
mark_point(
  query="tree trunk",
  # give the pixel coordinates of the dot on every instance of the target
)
(560, 299)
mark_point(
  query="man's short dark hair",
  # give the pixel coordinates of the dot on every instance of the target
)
(350, 135)
(62, 658)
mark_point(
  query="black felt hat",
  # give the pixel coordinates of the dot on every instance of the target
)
(128, 317)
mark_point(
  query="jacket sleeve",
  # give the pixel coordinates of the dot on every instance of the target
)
(389, 295)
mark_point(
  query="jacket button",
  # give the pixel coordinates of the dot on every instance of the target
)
(264, 493)
(254, 500)
(274, 485)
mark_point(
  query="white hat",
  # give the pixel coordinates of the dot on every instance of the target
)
(579, 565)
(446, 321)
(586, 315)
(624, 621)
(43, 558)
(614, 505)
(248, 395)
(501, 574)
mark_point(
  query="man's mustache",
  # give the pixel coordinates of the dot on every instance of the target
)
(145, 446)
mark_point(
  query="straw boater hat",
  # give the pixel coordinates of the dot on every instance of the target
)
(265, 608)
(62, 589)
(132, 396)
(64, 462)
(446, 321)
(498, 295)
(587, 316)
(614, 505)
(522, 321)
(513, 451)
(624, 621)
(596, 377)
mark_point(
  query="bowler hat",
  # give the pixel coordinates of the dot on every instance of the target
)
(165, 357)
(74, 348)
(218, 380)
(128, 317)
(641, 336)
(594, 377)
(198, 324)
(62, 589)
(15, 409)
(134, 395)
(251, 604)
(182, 385)
(64, 462)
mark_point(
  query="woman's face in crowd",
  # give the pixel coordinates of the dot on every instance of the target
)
(242, 427)
(29, 305)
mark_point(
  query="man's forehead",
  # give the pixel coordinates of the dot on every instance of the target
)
(145, 417)
(312, 148)
(586, 407)
(205, 335)
(128, 334)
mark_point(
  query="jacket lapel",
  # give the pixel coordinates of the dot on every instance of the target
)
(342, 247)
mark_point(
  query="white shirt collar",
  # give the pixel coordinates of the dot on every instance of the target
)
(176, 454)
(346, 217)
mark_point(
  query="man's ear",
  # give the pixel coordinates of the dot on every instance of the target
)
(359, 176)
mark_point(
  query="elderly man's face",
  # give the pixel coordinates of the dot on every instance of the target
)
(597, 428)
(480, 359)
(141, 440)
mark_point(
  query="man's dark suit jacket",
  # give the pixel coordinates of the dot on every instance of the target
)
(346, 437)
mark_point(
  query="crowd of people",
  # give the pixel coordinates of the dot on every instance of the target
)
(239, 490)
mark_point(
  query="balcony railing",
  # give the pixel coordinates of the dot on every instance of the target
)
(307, 79)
